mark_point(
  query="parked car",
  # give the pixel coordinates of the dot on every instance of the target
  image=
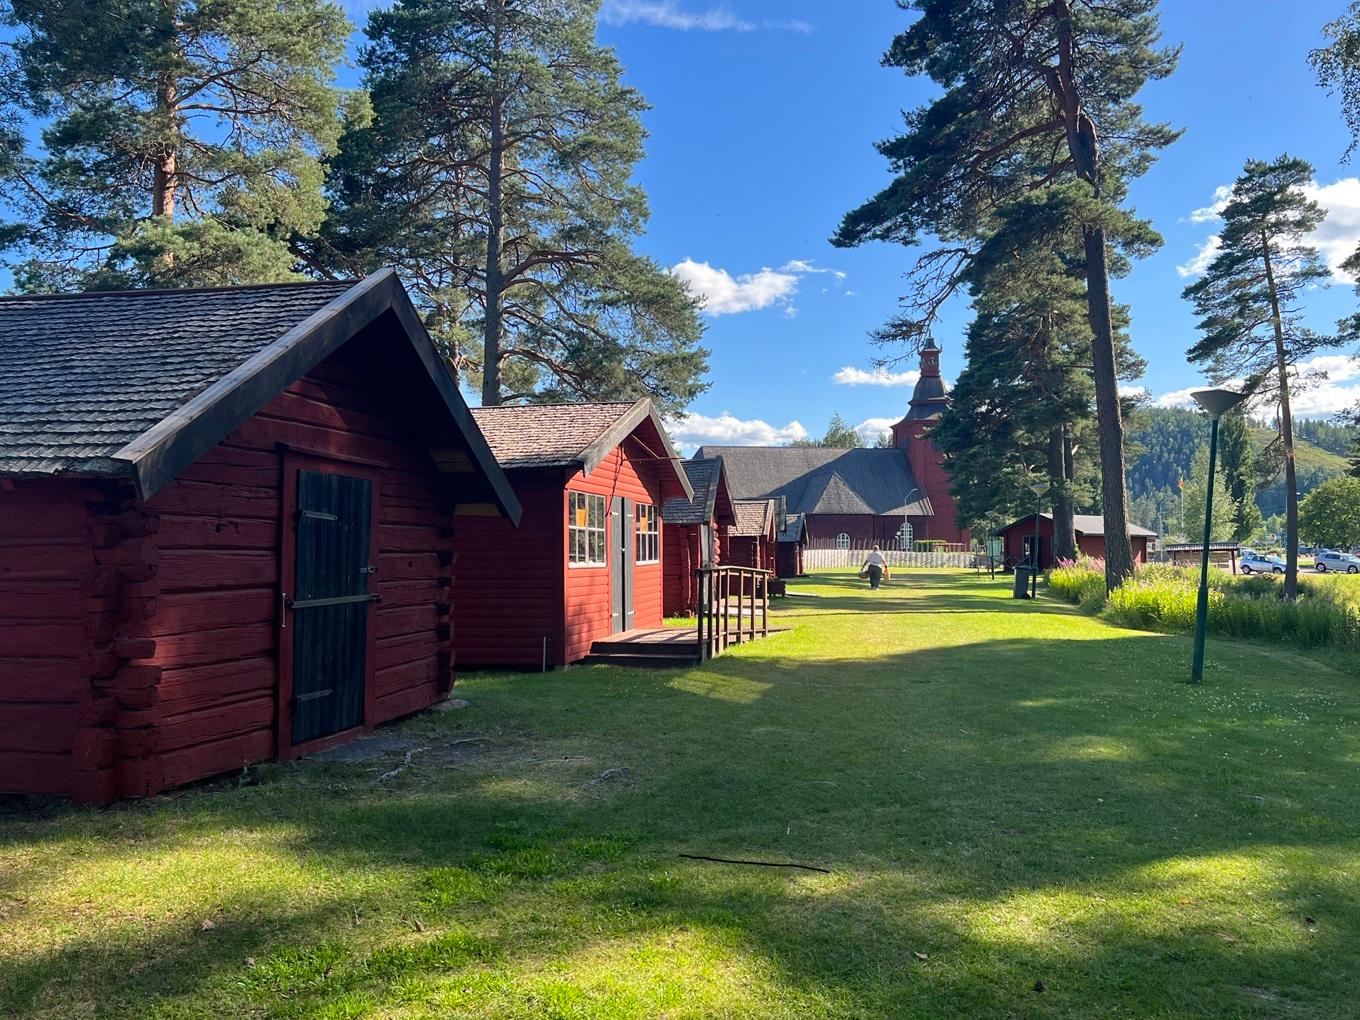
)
(1342, 563)
(1260, 563)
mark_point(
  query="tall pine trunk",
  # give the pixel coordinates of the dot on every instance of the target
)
(1064, 525)
(1084, 149)
(495, 234)
(1109, 415)
(165, 175)
(1291, 481)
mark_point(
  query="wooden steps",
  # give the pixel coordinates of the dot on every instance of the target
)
(668, 647)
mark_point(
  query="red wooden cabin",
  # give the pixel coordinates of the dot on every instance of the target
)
(695, 531)
(225, 524)
(751, 540)
(586, 561)
(789, 546)
(1018, 536)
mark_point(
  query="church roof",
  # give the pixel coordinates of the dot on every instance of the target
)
(929, 399)
(817, 480)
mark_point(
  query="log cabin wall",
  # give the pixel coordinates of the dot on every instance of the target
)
(508, 599)
(140, 641)
(212, 643)
(681, 559)
(61, 546)
(626, 475)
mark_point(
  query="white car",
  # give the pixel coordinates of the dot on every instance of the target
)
(1260, 563)
(1342, 563)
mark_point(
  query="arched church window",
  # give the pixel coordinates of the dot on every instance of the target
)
(843, 541)
(905, 536)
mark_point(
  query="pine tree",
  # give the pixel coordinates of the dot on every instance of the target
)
(1026, 394)
(181, 139)
(1036, 92)
(1337, 66)
(1237, 460)
(1249, 303)
(840, 435)
(497, 173)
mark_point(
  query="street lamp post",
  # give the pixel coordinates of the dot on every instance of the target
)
(1038, 488)
(1217, 403)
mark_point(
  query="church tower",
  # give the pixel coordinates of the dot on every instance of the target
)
(928, 402)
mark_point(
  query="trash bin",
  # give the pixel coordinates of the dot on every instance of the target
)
(1023, 572)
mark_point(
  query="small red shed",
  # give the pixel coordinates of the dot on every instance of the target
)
(789, 546)
(696, 533)
(586, 561)
(1018, 536)
(225, 528)
(751, 540)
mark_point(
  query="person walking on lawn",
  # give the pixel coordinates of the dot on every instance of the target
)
(874, 567)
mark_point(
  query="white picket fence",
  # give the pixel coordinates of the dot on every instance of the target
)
(850, 559)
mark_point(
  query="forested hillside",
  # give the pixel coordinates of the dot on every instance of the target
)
(1163, 442)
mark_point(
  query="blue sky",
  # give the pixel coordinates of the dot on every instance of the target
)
(762, 127)
(762, 134)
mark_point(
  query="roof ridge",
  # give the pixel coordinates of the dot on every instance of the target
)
(161, 291)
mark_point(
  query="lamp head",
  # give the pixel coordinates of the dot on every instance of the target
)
(1039, 488)
(1218, 402)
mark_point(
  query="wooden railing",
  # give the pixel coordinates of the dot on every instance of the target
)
(734, 607)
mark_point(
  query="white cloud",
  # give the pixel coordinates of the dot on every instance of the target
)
(1197, 265)
(1222, 194)
(1336, 239)
(1322, 387)
(1180, 398)
(1132, 391)
(721, 293)
(851, 376)
(670, 14)
(803, 266)
(729, 430)
(871, 430)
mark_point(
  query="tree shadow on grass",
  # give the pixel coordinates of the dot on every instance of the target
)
(1015, 810)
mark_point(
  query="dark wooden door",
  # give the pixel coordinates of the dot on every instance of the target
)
(330, 603)
(622, 557)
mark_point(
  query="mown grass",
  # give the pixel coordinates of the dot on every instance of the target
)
(1010, 796)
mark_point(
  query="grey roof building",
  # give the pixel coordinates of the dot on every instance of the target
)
(820, 482)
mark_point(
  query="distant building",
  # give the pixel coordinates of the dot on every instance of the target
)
(853, 498)
(1018, 536)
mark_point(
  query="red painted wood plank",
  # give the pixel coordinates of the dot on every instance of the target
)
(31, 772)
(216, 569)
(188, 612)
(204, 760)
(226, 645)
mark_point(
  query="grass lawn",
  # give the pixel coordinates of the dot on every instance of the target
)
(1024, 812)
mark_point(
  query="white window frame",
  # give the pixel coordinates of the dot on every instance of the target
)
(843, 540)
(587, 544)
(647, 534)
(906, 536)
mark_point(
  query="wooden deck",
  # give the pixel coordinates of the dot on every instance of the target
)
(667, 646)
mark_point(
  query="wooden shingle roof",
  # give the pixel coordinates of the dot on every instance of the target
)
(86, 374)
(140, 384)
(707, 480)
(566, 435)
(547, 435)
(755, 517)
